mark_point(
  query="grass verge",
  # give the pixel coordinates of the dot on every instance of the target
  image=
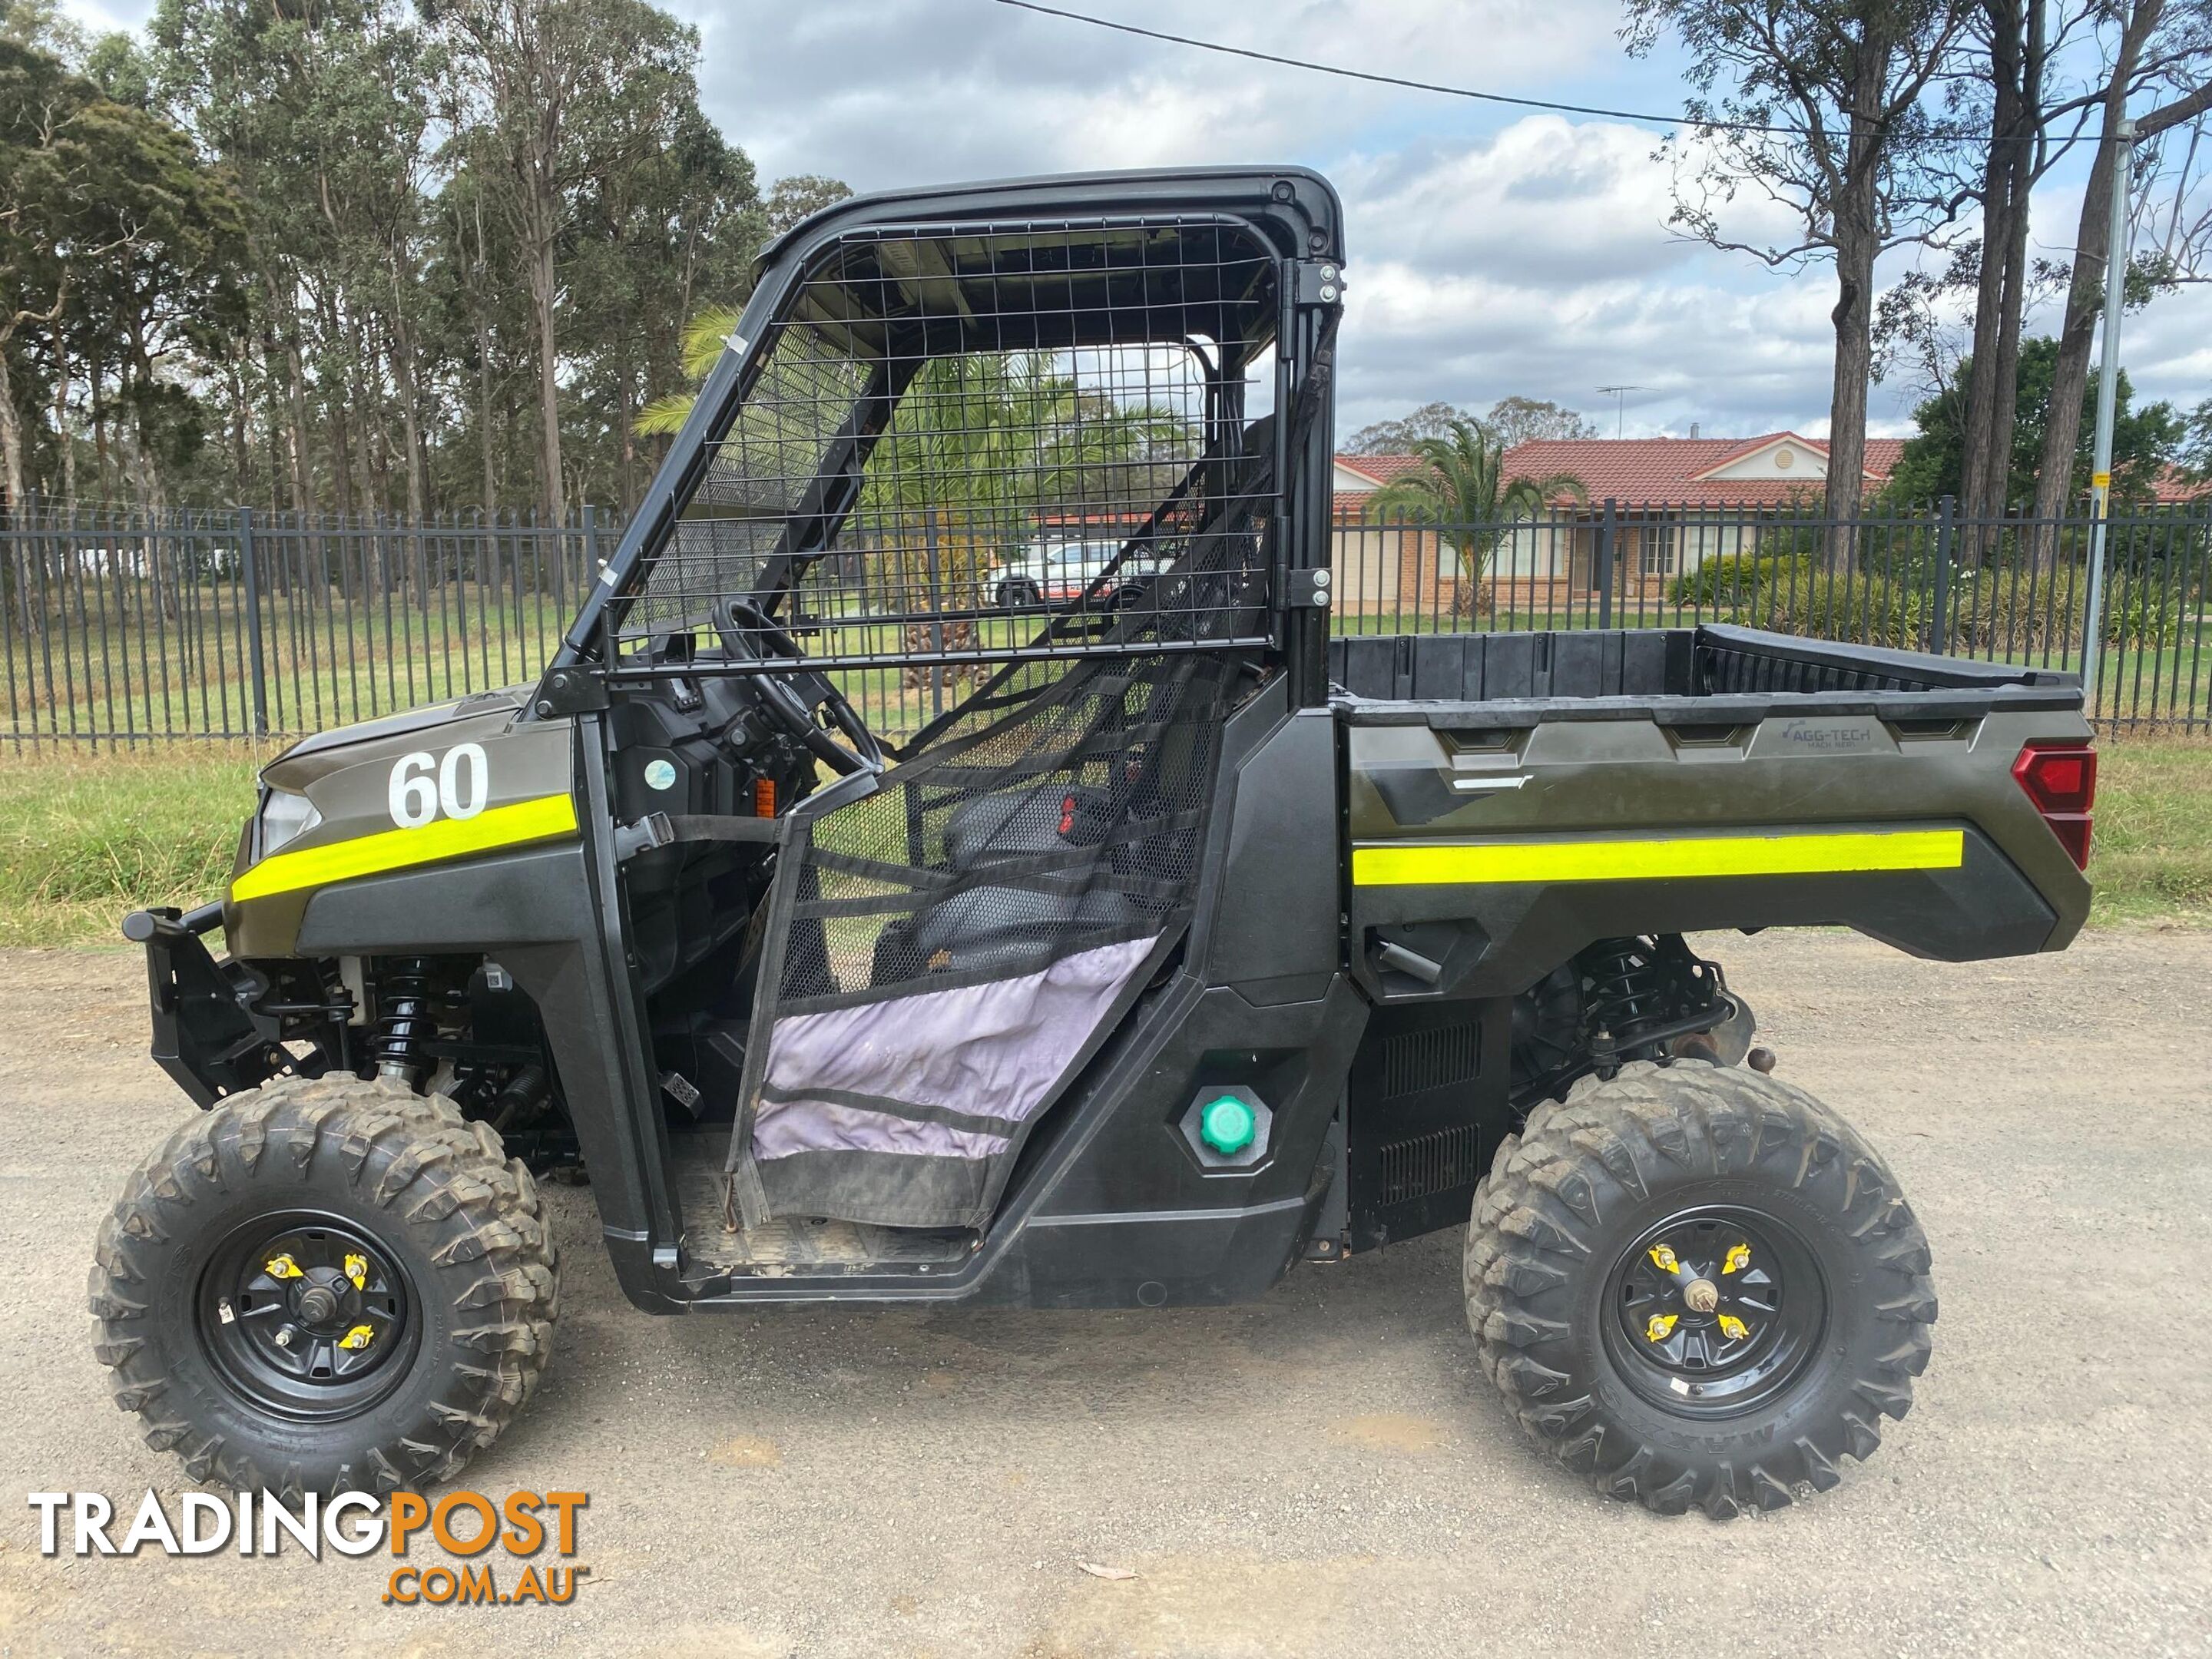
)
(85, 838)
(2151, 857)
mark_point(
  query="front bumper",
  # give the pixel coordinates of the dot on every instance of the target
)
(207, 1035)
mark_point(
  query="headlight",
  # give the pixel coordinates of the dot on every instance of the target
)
(283, 818)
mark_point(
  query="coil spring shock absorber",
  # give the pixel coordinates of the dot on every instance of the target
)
(404, 1020)
(1628, 989)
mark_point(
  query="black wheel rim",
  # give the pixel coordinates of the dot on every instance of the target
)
(307, 1316)
(1714, 1311)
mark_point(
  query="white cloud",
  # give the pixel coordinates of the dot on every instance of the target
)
(888, 92)
(1493, 253)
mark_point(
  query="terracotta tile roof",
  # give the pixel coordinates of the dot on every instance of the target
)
(1672, 470)
(2173, 486)
(1383, 469)
(1658, 471)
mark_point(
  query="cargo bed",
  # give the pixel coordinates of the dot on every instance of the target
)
(1659, 664)
(1512, 796)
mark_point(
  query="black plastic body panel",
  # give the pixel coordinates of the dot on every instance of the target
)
(533, 896)
(1427, 1102)
(1110, 1205)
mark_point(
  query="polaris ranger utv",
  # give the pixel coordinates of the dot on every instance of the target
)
(1185, 944)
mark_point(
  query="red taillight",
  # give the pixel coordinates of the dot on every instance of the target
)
(2060, 778)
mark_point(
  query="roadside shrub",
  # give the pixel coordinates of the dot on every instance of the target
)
(2146, 614)
(1997, 612)
(1737, 580)
(2000, 610)
(1866, 610)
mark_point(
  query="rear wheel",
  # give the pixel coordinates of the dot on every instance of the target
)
(1698, 1285)
(325, 1284)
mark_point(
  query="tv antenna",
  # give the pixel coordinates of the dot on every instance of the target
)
(1620, 395)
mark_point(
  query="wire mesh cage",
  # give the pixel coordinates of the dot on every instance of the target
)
(963, 445)
(1042, 460)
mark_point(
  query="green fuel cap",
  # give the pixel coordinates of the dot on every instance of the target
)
(1226, 1125)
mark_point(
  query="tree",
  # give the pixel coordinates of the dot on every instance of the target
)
(706, 336)
(2195, 458)
(539, 94)
(1520, 420)
(411, 334)
(1462, 487)
(1398, 437)
(39, 26)
(1820, 107)
(2152, 39)
(107, 212)
(2145, 440)
(800, 197)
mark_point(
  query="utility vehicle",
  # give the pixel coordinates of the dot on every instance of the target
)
(1065, 571)
(1188, 946)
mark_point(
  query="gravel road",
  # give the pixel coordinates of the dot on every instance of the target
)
(1322, 1473)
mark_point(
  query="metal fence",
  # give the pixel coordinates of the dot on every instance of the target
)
(126, 628)
(2011, 589)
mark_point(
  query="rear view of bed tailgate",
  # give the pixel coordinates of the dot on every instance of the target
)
(1512, 798)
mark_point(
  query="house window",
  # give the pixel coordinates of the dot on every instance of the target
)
(1655, 550)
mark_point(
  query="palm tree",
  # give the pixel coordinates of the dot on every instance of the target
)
(704, 337)
(1462, 490)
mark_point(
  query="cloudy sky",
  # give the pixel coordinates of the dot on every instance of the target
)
(1492, 251)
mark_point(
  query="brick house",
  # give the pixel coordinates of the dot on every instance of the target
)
(1677, 502)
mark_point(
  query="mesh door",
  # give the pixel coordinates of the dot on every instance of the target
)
(1018, 459)
(952, 946)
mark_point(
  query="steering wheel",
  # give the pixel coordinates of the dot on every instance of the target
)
(804, 701)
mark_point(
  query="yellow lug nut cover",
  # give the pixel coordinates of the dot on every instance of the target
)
(356, 1270)
(1661, 1328)
(1739, 1258)
(1733, 1329)
(359, 1337)
(282, 1267)
(1664, 1257)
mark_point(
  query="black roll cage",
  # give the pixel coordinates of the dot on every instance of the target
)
(1291, 213)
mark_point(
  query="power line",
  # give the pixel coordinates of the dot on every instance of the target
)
(1454, 92)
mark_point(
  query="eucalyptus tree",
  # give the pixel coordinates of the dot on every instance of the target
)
(542, 100)
(1826, 110)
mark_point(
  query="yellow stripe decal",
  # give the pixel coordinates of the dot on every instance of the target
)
(541, 819)
(1522, 862)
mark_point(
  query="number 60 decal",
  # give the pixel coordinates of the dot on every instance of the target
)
(422, 786)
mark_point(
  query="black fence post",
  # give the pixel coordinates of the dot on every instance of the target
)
(1939, 629)
(590, 518)
(250, 571)
(1601, 565)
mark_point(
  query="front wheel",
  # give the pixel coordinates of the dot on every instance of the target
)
(1698, 1285)
(325, 1284)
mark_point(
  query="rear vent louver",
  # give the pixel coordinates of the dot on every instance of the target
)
(1433, 1162)
(1414, 1061)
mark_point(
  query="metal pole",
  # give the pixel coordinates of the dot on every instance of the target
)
(2108, 381)
(1939, 633)
(250, 568)
(1604, 563)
